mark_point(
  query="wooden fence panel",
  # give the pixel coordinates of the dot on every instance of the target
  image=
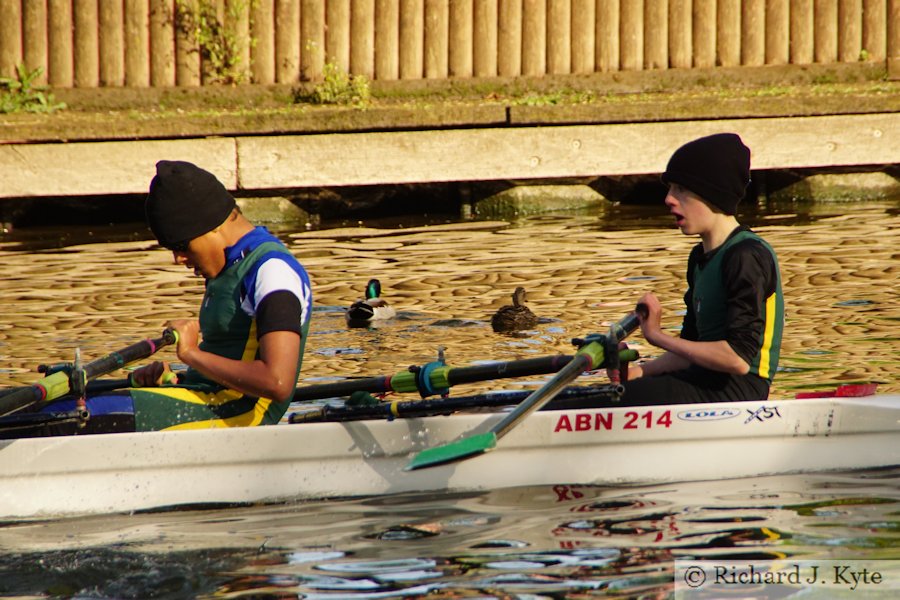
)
(778, 32)
(802, 32)
(162, 43)
(362, 38)
(825, 36)
(728, 28)
(584, 33)
(753, 33)
(631, 35)
(608, 36)
(680, 34)
(704, 34)
(534, 38)
(461, 45)
(412, 39)
(509, 38)
(437, 40)
(287, 41)
(484, 49)
(139, 43)
(34, 37)
(60, 44)
(312, 40)
(237, 20)
(559, 37)
(387, 40)
(337, 34)
(656, 34)
(262, 51)
(10, 37)
(87, 43)
(874, 29)
(849, 30)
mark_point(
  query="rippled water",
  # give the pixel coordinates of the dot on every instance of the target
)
(840, 268)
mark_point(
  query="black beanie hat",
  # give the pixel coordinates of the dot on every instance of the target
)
(715, 167)
(185, 202)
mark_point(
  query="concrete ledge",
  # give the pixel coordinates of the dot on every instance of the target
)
(478, 154)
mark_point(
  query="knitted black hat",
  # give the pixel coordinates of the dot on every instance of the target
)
(715, 167)
(185, 202)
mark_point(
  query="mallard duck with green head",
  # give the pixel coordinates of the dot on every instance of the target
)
(515, 316)
(372, 308)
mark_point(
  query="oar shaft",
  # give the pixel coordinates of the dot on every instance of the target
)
(548, 391)
(589, 357)
(120, 358)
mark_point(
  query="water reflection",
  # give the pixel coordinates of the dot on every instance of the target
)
(552, 541)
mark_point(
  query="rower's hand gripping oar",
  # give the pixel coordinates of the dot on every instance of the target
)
(589, 357)
(73, 379)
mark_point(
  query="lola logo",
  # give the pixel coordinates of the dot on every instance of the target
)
(708, 414)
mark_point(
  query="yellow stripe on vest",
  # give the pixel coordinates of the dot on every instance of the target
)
(768, 337)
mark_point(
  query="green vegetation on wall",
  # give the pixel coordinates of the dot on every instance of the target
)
(19, 94)
(219, 43)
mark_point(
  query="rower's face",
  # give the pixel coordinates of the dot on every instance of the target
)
(692, 215)
(205, 255)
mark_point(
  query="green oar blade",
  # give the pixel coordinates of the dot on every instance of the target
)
(464, 448)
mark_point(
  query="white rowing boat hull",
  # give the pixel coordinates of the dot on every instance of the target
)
(134, 471)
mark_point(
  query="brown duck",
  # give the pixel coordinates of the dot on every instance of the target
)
(516, 316)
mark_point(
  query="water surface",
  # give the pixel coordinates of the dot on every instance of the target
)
(102, 289)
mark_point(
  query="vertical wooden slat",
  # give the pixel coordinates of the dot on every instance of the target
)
(262, 52)
(412, 39)
(607, 26)
(849, 30)
(112, 44)
(825, 23)
(680, 34)
(34, 37)
(59, 32)
(362, 38)
(778, 25)
(893, 38)
(312, 40)
(584, 33)
(874, 29)
(509, 38)
(337, 34)
(728, 33)
(802, 32)
(534, 38)
(753, 32)
(187, 53)
(162, 43)
(87, 44)
(387, 39)
(237, 21)
(10, 37)
(559, 37)
(631, 34)
(461, 43)
(137, 43)
(703, 35)
(437, 42)
(484, 41)
(656, 34)
(287, 41)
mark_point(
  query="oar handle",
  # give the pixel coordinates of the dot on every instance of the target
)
(61, 383)
(138, 351)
